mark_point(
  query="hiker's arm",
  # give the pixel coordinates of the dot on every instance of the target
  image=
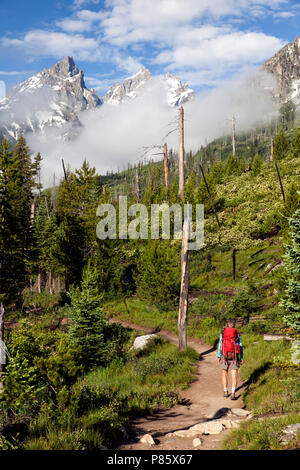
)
(241, 348)
(219, 347)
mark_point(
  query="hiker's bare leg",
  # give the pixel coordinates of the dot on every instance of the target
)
(224, 379)
(234, 378)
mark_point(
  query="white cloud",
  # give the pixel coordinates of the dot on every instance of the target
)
(130, 21)
(226, 50)
(79, 3)
(113, 136)
(43, 43)
(12, 73)
(2, 90)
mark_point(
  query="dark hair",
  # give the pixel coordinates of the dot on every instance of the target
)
(231, 321)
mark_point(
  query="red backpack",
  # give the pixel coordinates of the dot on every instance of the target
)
(230, 348)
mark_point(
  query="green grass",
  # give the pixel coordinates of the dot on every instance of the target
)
(262, 434)
(273, 380)
(103, 401)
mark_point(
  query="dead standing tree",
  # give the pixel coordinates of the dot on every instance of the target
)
(181, 152)
(2, 348)
(233, 134)
(185, 265)
(166, 167)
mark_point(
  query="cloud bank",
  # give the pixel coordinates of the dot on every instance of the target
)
(112, 137)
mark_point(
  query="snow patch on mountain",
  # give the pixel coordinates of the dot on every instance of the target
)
(176, 93)
(53, 98)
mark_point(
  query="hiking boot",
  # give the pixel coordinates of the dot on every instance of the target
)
(232, 396)
(226, 394)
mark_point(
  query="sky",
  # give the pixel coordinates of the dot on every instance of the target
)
(203, 42)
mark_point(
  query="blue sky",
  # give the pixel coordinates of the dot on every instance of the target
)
(203, 42)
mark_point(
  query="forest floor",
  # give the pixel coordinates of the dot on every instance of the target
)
(202, 401)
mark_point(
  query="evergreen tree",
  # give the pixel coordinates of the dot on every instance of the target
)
(281, 145)
(90, 333)
(77, 202)
(291, 204)
(87, 330)
(189, 189)
(295, 144)
(158, 278)
(17, 183)
(256, 165)
(232, 166)
(291, 301)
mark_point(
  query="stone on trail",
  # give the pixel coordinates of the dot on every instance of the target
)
(240, 412)
(290, 433)
(197, 442)
(141, 341)
(208, 427)
(147, 439)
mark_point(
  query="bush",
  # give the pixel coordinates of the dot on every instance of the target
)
(242, 305)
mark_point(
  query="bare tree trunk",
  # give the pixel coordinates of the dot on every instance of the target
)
(272, 149)
(166, 166)
(280, 182)
(185, 277)
(137, 186)
(39, 286)
(181, 152)
(233, 134)
(1, 344)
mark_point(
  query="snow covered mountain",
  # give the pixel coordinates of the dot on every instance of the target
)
(285, 67)
(52, 101)
(53, 98)
(176, 92)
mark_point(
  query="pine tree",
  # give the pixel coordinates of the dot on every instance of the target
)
(256, 165)
(291, 301)
(158, 278)
(295, 144)
(281, 145)
(76, 211)
(17, 183)
(232, 166)
(87, 330)
(291, 204)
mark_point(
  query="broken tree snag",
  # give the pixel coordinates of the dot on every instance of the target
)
(210, 197)
(181, 152)
(64, 169)
(280, 182)
(166, 166)
(233, 134)
(137, 186)
(184, 287)
(2, 351)
(272, 149)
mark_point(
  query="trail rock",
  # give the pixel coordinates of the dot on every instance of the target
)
(290, 433)
(276, 337)
(240, 412)
(295, 352)
(141, 342)
(147, 439)
(197, 442)
(209, 427)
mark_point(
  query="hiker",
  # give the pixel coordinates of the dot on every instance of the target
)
(230, 355)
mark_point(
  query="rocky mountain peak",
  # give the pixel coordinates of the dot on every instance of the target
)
(285, 67)
(176, 92)
(52, 98)
(64, 68)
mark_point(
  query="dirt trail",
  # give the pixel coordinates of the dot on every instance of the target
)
(203, 400)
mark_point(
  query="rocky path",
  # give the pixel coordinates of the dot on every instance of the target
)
(204, 414)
